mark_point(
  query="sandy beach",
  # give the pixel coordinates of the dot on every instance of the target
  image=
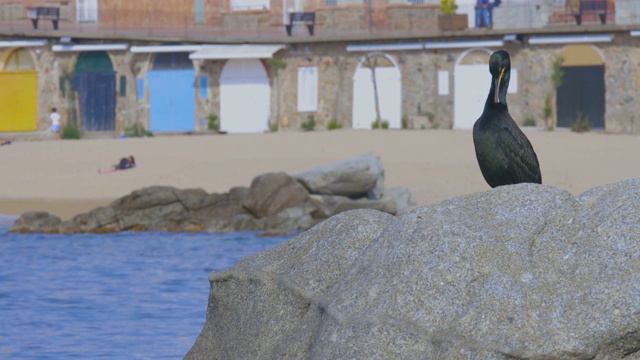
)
(61, 176)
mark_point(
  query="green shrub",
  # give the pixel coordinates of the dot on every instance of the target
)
(430, 116)
(385, 124)
(213, 123)
(448, 6)
(71, 131)
(137, 130)
(310, 124)
(529, 121)
(273, 128)
(332, 125)
(546, 110)
(405, 122)
(581, 124)
(277, 63)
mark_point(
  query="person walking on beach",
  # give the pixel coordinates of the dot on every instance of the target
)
(125, 163)
(55, 122)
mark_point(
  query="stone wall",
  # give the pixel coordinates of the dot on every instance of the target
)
(333, 20)
(534, 66)
(422, 106)
(255, 21)
(622, 84)
(335, 85)
(12, 12)
(54, 68)
(411, 18)
(622, 81)
(210, 105)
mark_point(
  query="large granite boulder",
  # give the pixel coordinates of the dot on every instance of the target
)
(517, 272)
(271, 193)
(361, 176)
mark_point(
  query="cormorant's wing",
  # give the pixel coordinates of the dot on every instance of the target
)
(521, 161)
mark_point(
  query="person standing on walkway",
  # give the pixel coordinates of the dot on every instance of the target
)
(55, 122)
(483, 12)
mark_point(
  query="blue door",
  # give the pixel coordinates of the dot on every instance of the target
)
(97, 99)
(95, 82)
(172, 100)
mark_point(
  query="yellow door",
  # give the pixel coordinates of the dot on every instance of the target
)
(18, 100)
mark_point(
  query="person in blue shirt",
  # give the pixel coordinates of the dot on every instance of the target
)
(483, 12)
(124, 164)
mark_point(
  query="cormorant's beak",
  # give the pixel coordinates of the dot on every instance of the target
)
(496, 93)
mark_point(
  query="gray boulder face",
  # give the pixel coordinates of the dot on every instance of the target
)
(356, 177)
(272, 192)
(329, 205)
(522, 271)
(36, 221)
(194, 199)
(148, 197)
(399, 199)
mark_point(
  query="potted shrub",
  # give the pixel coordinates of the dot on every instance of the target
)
(449, 20)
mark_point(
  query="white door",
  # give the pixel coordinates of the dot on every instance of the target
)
(471, 88)
(389, 96)
(244, 97)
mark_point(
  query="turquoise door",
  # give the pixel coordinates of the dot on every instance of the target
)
(172, 93)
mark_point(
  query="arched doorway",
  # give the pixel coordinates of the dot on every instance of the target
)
(95, 82)
(582, 93)
(471, 83)
(389, 85)
(172, 93)
(244, 96)
(19, 93)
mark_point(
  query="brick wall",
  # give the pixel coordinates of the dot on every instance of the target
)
(147, 13)
(151, 16)
(342, 19)
(411, 18)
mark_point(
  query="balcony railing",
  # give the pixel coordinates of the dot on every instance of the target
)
(343, 2)
(414, 2)
(410, 17)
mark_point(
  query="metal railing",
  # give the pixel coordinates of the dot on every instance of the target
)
(343, 2)
(415, 2)
(409, 17)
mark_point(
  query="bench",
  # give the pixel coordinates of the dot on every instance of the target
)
(301, 18)
(592, 7)
(50, 13)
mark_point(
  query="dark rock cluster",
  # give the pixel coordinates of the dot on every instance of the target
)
(274, 201)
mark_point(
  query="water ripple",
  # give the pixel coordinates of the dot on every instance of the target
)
(118, 296)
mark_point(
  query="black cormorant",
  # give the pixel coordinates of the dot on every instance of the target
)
(504, 153)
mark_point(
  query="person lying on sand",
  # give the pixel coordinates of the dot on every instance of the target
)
(124, 164)
(4, 142)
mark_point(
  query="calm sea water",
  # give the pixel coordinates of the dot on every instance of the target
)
(121, 296)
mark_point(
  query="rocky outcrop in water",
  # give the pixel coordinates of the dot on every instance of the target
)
(517, 272)
(274, 201)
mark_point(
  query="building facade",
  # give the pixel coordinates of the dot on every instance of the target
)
(432, 80)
